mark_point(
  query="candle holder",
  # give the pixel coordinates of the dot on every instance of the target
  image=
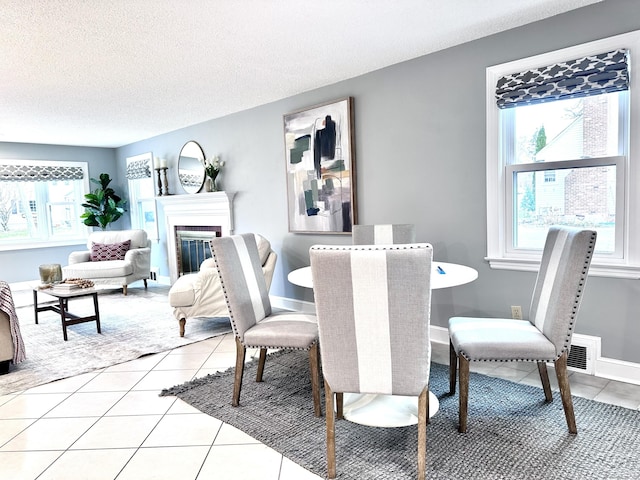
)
(163, 186)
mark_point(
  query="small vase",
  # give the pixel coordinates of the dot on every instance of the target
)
(210, 185)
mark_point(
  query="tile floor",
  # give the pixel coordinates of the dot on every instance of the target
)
(111, 424)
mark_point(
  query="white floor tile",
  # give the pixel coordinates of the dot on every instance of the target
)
(144, 364)
(26, 465)
(86, 404)
(246, 462)
(167, 463)
(88, 464)
(293, 471)
(31, 406)
(157, 380)
(118, 432)
(185, 361)
(113, 382)
(66, 385)
(50, 434)
(229, 435)
(11, 428)
(184, 430)
(141, 403)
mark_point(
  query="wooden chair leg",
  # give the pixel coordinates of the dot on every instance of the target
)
(453, 366)
(544, 378)
(237, 382)
(314, 357)
(339, 406)
(464, 393)
(423, 418)
(124, 290)
(331, 431)
(565, 392)
(145, 283)
(428, 414)
(182, 323)
(261, 360)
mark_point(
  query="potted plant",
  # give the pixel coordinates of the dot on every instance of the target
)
(102, 206)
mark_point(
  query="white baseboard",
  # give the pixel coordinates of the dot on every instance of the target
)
(603, 367)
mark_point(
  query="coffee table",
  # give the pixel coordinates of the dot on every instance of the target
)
(62, 308)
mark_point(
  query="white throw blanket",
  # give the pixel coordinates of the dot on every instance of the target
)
(7, 306)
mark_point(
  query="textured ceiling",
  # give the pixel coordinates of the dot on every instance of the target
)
(107, 73)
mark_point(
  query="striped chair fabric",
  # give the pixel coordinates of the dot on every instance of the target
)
(384, 234)
(254, 323)
(373, 307)
(546, 335)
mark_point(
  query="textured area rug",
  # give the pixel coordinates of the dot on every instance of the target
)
(512, 433)
(138, 324)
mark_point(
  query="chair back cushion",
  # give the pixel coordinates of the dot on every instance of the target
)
(240, 271)
(373, 308)
(383, 234)
(137, 237)
(561, 280)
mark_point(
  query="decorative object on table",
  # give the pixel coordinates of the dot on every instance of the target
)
(102, 206)
(545, 337)
(384, 291)
(212, 169)
(320, 165)
(106, 261)
(75, 283)
(12, 348)
(191, 167)
(50, 273)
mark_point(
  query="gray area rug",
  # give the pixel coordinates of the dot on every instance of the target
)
(512, 433)
(138, 324)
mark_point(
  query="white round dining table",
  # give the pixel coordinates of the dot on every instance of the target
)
(393, 410)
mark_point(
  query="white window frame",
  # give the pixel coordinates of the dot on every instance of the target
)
(43, 211)
(135, 201)
(628, 189)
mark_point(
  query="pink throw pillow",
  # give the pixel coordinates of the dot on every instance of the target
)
(109, 251)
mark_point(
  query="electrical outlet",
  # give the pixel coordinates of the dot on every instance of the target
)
(516, 312)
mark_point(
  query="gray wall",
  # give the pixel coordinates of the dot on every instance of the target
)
(22, 265)
(420, 158)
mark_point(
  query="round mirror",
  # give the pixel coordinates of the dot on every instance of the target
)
(191, 167)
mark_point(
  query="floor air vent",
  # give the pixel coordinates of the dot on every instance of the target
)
(578, 357)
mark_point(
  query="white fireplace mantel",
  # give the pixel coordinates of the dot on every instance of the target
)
(200, 209)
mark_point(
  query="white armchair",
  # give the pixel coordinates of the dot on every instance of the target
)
(118, 257)
(200, 294)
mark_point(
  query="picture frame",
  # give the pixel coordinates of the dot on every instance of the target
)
(320, 168)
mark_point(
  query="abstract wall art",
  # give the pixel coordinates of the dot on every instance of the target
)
(320, 162)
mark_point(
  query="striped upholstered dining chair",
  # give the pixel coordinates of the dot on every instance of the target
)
(254, 323)
(545, 336)
(373, 307)
(384, 234)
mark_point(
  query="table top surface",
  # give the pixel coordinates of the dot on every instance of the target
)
(59, 293)
(443, 275)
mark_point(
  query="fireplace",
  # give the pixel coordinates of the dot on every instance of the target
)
(211, 213)
(193, 246)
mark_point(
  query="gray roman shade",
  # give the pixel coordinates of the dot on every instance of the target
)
(592, 75)
(138, 169)
(25, 172)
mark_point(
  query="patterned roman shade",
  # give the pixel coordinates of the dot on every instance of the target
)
(138, 169)
(592, 75)
(26, 172)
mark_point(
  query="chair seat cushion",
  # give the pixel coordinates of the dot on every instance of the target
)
(104, 269)
(283, 330)
(499, 339)
(182, 292)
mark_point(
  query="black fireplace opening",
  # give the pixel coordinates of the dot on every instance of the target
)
(193, 246)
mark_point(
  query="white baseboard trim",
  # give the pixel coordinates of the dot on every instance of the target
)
(603, 367)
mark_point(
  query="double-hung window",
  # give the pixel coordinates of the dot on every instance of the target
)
(41, 203)
(559, 152)
(142, 203)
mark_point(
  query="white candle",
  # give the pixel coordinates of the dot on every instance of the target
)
(163, 163)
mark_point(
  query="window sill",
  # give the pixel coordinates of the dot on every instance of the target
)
(31, 245)
(597, 269)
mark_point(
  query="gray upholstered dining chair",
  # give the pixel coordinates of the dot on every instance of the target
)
(545, 336)
(254, 323)
(373, 309)
(384, 234)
